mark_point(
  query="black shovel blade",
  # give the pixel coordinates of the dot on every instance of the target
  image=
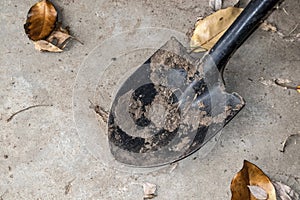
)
(173, 104)
(168, 109)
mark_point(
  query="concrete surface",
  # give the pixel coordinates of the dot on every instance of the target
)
(41, 151)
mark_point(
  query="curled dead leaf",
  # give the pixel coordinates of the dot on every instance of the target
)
(285, 192)
(41, 20)
(210, 29)
(59, 38)
(251, 175)
(43, 45)
(42, 27)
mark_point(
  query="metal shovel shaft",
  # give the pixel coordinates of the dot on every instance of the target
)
(247, 22)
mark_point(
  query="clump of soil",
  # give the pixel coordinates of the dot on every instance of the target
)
(155, 104)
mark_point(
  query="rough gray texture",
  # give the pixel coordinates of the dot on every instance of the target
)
(40, 151)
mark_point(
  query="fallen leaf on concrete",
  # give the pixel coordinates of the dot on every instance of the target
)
(149, 190)
(43, 45)
(284, 192)
(251, 175)
(41, 20)
(59, 38)
(258, 192)
(42, 27)
(289, 140)
(209, 30)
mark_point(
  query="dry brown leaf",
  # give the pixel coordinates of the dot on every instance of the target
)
(56, 42)
(209, 30)
(43, 45)
(42, 27)
(59, 38)
(41, 20)
(284, 192)
(251, 175)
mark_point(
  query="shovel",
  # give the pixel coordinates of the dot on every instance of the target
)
(175, 103)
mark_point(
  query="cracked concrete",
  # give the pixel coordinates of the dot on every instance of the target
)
(41, 151)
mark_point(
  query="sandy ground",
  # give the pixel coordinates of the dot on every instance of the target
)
(42, 153)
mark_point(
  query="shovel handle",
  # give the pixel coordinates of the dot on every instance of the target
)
(246, 23)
